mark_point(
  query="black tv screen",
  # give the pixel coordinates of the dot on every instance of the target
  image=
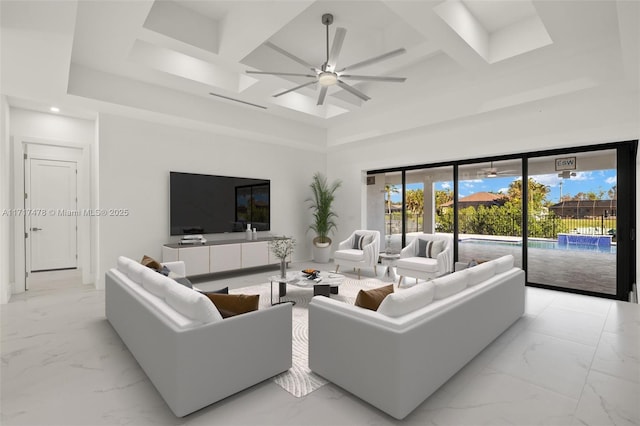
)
(207, 204)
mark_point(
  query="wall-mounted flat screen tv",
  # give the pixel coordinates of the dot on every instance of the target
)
(207, 204)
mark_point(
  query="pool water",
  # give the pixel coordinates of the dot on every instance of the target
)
(538, 244)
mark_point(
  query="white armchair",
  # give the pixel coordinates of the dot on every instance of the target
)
(360, 250)
(426, 265)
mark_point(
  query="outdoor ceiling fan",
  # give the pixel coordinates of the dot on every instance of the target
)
(492, 172)
(327, 74)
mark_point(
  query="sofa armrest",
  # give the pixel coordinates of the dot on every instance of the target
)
(178, 267)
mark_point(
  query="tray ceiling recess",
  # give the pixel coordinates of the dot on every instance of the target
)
(328, 74)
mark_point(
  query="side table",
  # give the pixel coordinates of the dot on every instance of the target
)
(282, 287)
(389, 260)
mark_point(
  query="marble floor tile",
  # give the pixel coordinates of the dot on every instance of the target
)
(537, 300)
(618, 355)
(63, 364)
(624, 318)
(496, 398)
(580, 327)
(580, 303)
(607, 400)
(555, 364)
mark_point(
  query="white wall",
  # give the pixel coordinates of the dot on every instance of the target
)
(55, 130)
(6, 260)
(600, 116)
(135, 159)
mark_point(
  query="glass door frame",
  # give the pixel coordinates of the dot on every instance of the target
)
(626, 152)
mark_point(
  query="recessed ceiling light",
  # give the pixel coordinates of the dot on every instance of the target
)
(54, 109)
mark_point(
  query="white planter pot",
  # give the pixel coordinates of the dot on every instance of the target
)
(321, 254)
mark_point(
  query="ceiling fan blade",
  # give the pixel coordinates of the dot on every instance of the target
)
(370, 61)
(290, 55)
(373, 78)
(353, 90)
(281, 73)
(321, 96)
(336, 47)
(295, 88)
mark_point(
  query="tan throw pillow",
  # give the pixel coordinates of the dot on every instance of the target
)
(371, 299)
(150, 262)
(234, 304)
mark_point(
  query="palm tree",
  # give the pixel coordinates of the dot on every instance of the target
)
(415, 204)
(389, 190)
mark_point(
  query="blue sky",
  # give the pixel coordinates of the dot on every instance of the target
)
(582, 182)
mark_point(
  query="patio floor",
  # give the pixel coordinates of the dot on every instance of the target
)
(579, 270)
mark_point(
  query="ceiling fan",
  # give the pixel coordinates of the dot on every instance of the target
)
(327, 74)
(492, 172)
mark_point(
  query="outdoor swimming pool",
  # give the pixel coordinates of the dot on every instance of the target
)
(540, 244)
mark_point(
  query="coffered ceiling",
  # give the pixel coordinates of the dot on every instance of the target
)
(162, 60)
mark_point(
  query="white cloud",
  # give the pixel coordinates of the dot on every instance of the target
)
(503, 190)
(613, 180)
(548, 180)
(583, 176)
(446, 185)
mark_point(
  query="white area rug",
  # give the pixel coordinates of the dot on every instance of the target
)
(299, 380)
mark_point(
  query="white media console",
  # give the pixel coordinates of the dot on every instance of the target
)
(220, 256)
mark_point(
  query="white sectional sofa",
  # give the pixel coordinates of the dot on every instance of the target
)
(396, 357)
(191, 355)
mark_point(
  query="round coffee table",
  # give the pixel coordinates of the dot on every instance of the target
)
(325, 284)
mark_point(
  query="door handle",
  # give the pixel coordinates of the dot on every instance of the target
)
(36, 229)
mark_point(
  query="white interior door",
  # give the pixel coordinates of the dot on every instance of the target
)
(51, 214)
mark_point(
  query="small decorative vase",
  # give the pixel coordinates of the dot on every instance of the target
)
(283, 268)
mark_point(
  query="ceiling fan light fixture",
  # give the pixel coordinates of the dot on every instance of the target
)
(327, 78)
(492, 174)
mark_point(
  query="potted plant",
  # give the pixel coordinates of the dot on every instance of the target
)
(320, 204)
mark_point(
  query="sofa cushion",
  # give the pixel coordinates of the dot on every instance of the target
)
(371, 299)
(234, 304)
(405, 301)
(123, 264)
(430, 249)
(135, 271)
(182, 280)
(349, 254)
(419, 264)
(503, 264)
(480, 273)
(191, 304)
(150, 262)
(450, 284)
(155, 283)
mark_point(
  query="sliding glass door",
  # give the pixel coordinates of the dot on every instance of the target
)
(572, 226)
(490, 210)
(567, 215)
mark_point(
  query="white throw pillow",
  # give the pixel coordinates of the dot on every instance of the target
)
(155, 283)
(192, 304)
(135, 271)
(402, 302)
(503, 264)
(451, 284)
(480, 273)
